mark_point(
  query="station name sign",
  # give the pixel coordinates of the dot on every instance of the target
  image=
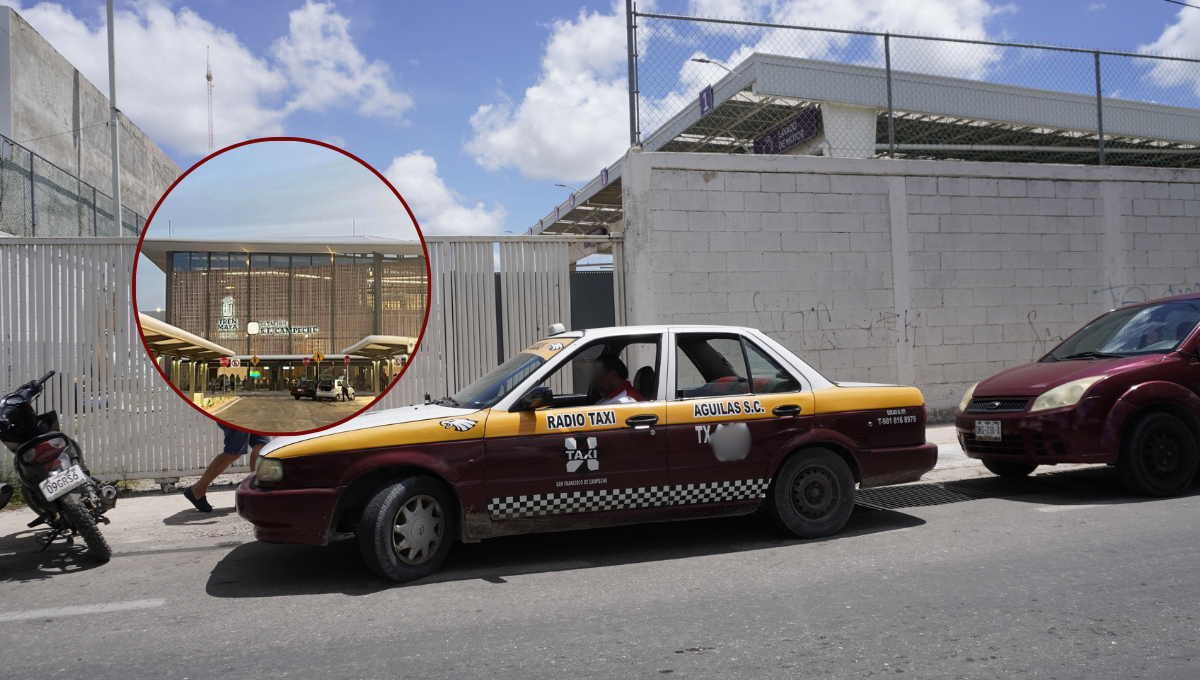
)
(788, 135)
(278, 328)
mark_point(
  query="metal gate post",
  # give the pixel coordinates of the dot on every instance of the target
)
(1099, 113)
(887, 60)
(631, 42)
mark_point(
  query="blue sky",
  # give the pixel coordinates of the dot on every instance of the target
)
(476, 109)
(273, 190)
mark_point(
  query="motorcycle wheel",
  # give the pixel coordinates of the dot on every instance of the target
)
(81, 519)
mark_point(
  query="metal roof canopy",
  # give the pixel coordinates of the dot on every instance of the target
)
(164, 338)
(156, 249)
(380, 346)
(595, 209)
(930, 112)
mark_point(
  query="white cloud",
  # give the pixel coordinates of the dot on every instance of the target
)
(321, 61)
(1095, 6)
(574, 119)
(160, 70)
(438, 208)
(1180, 39)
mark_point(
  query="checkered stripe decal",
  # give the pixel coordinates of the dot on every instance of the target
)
(539, 505)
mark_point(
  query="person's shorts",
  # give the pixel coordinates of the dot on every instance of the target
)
(238, 443)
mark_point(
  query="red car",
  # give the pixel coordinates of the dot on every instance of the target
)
(305, 388)
(1124, 390)
(595, 428)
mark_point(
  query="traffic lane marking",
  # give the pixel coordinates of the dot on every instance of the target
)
(57, 612)
(1067, 508)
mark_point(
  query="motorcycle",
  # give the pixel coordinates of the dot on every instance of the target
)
(54, 480)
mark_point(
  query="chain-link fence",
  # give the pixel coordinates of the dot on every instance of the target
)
(40, 199)
(712, 85)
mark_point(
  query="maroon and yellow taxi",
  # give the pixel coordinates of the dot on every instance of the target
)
(594, 428)
(1124, 390)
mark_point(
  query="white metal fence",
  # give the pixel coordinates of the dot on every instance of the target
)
(66, 305)
(461, 341)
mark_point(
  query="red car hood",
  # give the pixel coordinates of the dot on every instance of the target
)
(1033, 379)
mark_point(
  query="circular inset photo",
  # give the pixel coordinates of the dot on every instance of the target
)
(281, 286)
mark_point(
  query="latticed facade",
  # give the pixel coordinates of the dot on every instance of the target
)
(291, 304)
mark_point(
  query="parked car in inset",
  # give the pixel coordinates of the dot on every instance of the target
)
(595, 428)
(304, 388)
(1124, 390)
(334, 389)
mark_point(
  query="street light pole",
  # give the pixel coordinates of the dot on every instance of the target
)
(114, 123)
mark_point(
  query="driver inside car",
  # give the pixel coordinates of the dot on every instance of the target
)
(611, 377)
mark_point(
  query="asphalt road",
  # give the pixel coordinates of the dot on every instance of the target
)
(284, 413)
(1060, 576)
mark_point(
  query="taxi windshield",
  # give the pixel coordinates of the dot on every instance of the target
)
(1146, 329)
(494, 386)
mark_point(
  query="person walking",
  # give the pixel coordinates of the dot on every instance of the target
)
(237, 444)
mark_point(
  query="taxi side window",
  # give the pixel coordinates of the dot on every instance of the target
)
(639, 355)
(709, 366)
(768, 377)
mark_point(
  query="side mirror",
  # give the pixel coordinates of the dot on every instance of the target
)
(538, 397)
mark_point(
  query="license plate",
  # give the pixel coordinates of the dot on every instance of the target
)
(63, 482)
(987, 430)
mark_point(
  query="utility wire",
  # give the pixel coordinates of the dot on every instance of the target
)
(59, 134)
(1177, 2)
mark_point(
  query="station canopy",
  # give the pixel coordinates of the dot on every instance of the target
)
(382, 346)
(156, 249)
(934, 117)
(163, 338)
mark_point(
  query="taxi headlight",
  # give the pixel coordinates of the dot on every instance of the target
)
(270, 470)
(966, 400)
(1067, 394)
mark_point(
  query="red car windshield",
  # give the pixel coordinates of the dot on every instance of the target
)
(1145, 329)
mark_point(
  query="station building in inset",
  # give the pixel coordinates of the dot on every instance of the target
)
(284, 301)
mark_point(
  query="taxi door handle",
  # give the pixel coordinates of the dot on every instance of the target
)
(786, 410)
(643, 420)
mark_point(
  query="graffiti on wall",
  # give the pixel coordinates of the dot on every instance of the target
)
(1134, 293)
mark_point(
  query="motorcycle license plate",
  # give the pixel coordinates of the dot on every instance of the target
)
(987, 430)
(63, 482)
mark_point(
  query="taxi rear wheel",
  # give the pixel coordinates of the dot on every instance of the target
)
(812, 495)
(407, 528)
(1159, 456)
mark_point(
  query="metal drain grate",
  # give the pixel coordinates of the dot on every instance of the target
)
(911, 496)
(922, 495)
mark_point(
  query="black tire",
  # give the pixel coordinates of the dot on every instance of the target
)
(81, 519)
(812, 494)
(431, 509)
(297, 396)
(1009, 469)
(1158, 456)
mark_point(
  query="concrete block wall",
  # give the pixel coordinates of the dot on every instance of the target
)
(993, 263)
(47, 105)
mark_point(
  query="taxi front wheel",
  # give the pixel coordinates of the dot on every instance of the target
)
(812, 495)
(407, 528)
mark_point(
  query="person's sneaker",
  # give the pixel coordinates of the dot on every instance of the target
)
(201, 503)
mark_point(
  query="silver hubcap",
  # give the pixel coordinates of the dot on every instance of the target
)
(418, 529)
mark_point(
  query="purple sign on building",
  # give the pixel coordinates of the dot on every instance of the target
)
(706, 100)
(796, 131)
(604, 177)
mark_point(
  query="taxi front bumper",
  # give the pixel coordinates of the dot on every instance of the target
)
(299, 516)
